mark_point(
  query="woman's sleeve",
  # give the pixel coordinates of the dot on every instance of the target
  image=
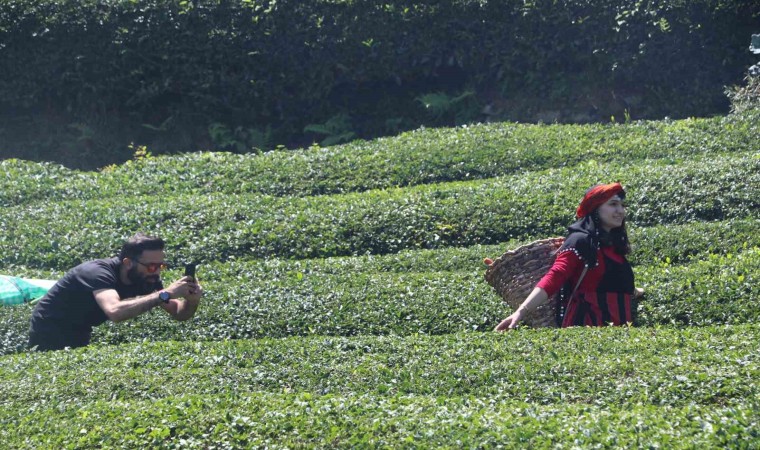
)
(566, 264)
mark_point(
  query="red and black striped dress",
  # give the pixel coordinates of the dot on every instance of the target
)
(605, 295)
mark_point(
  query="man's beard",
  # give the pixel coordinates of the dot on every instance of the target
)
(146, 283)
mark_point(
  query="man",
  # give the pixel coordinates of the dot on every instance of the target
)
(114, 289)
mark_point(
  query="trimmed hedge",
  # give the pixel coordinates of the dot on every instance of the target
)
(287, 420)
(419, 292)
(435, 302)
(663, 244)
(420, 157)
(590, 387)
(221, 227)
(602, 366)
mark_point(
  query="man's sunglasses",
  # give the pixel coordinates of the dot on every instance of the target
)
(152, 267)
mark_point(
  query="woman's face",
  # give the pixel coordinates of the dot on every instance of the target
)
(612, 213)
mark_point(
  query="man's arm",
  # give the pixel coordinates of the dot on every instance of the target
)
(189, 290)
(119, 310)
(182, 309)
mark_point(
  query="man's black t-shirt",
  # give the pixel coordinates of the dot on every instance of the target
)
(64, 317)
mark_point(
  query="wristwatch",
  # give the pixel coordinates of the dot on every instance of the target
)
(164, 296)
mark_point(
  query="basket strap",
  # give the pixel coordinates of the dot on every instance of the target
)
(583, 274)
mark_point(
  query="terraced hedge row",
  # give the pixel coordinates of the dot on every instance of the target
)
(680, 388)
(432, 292)
(419, 157)
(715, 291)
(661, 244)
(359, 317)
(614, 365)
(295, 420)
(222, 226)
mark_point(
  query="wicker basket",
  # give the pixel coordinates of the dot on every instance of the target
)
(515, 273)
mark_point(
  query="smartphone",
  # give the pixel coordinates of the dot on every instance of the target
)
(190, 270)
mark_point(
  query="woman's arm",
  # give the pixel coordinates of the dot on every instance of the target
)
(566, 264)
(535, 299)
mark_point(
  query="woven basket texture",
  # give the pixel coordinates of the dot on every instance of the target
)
(515, 273)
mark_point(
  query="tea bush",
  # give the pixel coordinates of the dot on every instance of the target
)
(420, 157)
(346, 305)
(297, 420)
(590, 387)
(225, 226)
(604, 366)
(428, 292)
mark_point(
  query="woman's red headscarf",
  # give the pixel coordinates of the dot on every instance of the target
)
(596, 197)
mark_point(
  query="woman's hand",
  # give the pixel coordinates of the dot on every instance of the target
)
(638, 293)
(510, 322)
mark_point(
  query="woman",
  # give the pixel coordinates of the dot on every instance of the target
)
(591, 269)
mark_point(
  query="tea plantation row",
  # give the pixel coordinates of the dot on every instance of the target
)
(436, 291)
(715, 291)
(359, 317)
(221, 227)
(612, 387)
(355, 420)
(669, 244)
(422, 156)
(605, 366)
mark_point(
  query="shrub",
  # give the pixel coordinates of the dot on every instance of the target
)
(223, 226)
(431, 292)
(95, 75)
(744, 98)
(681, 388)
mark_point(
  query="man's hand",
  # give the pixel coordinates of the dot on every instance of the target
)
(188, 289)
(184, 287)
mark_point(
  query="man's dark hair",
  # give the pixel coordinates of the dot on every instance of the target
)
(138, 243)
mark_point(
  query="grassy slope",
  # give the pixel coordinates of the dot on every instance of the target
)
(366, 376)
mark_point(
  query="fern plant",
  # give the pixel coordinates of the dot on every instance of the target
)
(337, 130)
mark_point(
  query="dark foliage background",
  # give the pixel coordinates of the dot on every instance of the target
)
(80, 80)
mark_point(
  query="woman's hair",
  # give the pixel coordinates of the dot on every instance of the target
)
(616, 237)
(138, 243)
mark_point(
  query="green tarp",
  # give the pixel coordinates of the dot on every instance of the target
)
(17, 291)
